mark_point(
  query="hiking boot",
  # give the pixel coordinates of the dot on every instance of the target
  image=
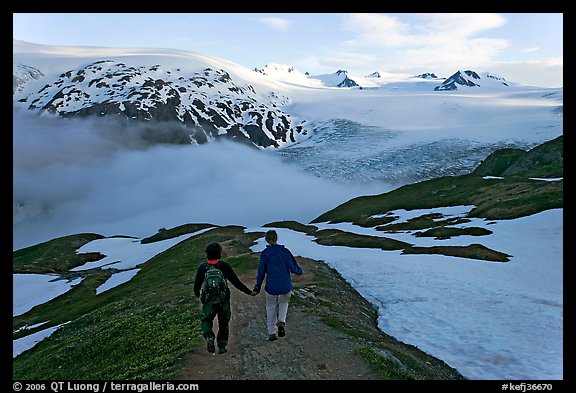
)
(272, 337)
(222, 350)
(210, 344)
(281, 329)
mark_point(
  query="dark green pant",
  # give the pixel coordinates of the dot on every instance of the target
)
(224, 313)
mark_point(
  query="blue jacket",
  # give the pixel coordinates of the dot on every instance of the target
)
(276, 263)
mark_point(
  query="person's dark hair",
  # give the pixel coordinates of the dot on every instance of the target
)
(271, 236)
(213, 251)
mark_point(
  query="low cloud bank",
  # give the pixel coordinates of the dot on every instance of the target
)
(73, 175)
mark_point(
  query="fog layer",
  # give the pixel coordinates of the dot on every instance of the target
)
(108, 177)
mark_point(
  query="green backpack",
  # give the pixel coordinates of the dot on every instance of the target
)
(215, 287)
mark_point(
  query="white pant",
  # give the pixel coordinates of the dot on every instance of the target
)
(276, 310)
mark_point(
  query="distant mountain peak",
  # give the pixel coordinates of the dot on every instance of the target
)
(274, 68)
(469, 78)
(338, 79)
(427, 75)
(283, 72)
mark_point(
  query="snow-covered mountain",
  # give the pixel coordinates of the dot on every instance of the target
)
(208, 103)
(470, 78)
(427, 75)
(21, 74)
(338, 79)
(286, 73)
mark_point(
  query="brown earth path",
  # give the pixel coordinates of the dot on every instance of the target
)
(310, 350)
(328, 324)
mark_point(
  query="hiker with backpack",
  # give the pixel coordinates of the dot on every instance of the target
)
(211, 287)
(276, 264)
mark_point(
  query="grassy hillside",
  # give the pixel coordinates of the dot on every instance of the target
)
(545, 160)
(512, 196)
(492, 195)
(496, 199)
(139, 330)
(55, 256)
(143, 329)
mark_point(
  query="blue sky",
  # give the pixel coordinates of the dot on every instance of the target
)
(522, 47)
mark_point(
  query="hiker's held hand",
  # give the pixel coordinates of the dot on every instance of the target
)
(253, 293)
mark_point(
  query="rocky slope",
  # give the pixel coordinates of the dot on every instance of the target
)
(208, 103)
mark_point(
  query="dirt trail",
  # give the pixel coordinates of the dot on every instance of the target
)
(309, 351)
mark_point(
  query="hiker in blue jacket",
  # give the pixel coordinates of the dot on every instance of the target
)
(276, 264)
